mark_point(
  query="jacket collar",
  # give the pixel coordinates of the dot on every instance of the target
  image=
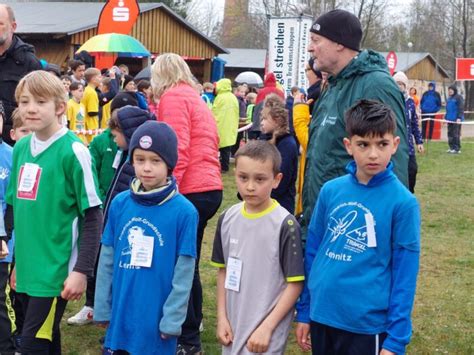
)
(376, 180)
(154, 197)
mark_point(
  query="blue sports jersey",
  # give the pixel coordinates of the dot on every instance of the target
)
(5, 166)
(139, 293)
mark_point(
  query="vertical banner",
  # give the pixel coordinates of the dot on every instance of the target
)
(391, 62)
(464, 69)
(283, 50)
(305, 25)
(287, 50)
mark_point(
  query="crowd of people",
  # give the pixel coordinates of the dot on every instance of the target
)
(111, 184)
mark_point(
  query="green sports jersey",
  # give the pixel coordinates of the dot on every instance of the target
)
(52, 184)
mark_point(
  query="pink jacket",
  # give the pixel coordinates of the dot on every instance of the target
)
(198, 168)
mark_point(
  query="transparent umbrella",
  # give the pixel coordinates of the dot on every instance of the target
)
(250, 78)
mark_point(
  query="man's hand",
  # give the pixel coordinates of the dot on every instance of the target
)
(386, 352)
(303, 337)
(4, 250)
(224, 332)
(74, 286)
(259, 340)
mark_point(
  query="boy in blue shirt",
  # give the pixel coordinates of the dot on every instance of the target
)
(148, 252)
(363, 247)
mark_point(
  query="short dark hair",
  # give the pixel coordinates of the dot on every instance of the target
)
(66, 77)
(261, 151)
(114, 121)
(143, 84)
(75, 85)
(75, 63)
(369, 118)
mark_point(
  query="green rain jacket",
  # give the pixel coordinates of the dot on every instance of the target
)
(103, 150)
(365, 77)
(226, 112)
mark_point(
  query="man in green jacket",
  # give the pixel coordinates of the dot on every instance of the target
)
(353, 75)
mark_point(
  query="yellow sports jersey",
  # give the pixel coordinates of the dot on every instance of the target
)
(76, 118)
(105, 115)
(90, 100)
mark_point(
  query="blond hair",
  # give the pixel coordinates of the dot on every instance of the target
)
(42, 84)
(274, 107)
(90, 73)
(168, 71)
(16, 119)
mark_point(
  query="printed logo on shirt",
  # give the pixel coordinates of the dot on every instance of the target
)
(330, 120)
(351, 226)
(4, 173)
(135, 230)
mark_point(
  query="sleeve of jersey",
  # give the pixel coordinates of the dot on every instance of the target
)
(217, 258)
(187, 233)
(12, 184)
(84, 179)
(291, 251)
(174, 309)
(316, 232)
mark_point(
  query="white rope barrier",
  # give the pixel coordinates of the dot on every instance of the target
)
(245, 128)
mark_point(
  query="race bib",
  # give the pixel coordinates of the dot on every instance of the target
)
(233, 274)
(142, 251)
(30, 175)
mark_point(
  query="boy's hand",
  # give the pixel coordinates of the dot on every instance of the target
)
(4, 250)
(386, 352)
(224, 332)
(13, 279)
(420, 148)
(303, 336)
(74, 286)
(259, 340)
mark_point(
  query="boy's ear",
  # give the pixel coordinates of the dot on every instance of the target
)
(60, 109)
(277, 179)
(396, 142)
(12, 135)
(347, 144)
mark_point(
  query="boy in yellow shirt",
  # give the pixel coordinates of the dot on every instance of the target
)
(91, 102)
(76, 111)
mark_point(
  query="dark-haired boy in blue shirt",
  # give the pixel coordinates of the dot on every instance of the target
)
(363, 247)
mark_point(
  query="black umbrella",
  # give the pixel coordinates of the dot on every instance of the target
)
(144, 74)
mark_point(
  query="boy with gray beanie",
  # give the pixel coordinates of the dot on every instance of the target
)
(148, 251)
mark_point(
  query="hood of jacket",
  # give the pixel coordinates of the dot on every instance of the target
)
(130, 118)
(223, 85)
(433, 84)
(366, 61)
(455, 89)
(270, 80)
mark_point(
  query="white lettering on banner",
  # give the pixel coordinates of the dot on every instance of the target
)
(121, 13)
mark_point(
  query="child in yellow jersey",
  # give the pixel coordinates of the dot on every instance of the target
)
(91, 102)
(76, 111)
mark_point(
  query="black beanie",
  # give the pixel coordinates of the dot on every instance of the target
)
(123, 99)
(339, 26)
(157, 137)
(126, 79)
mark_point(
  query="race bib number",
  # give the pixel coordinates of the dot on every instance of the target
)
(233, 274)
(142, 251)
(30, 175)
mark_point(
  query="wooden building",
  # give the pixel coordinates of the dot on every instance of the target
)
(58, 29)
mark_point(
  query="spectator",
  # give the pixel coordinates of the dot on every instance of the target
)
(413, 130)
(78, 69)
(415, 97)
(269, 87)
(430, 104)
(315, 81)
(455, 115)
(16, 60)
(334, 43)
(226, 113)
(197, 171)
(208, 95)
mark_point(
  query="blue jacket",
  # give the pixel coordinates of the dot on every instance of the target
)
(362, 256)
(454, 106)
(5, 167)
(413, 130)
(431, 100)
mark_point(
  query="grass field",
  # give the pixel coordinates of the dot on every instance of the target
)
(443, 313)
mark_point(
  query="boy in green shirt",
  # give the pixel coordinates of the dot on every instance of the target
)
(54, 200)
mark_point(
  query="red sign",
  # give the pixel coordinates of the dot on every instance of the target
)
(118, 16)
(464, 69)
(391, 62)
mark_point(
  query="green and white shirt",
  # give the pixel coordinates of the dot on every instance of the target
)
(52, 185)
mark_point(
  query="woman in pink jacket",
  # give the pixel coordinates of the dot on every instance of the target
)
(197, 172)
